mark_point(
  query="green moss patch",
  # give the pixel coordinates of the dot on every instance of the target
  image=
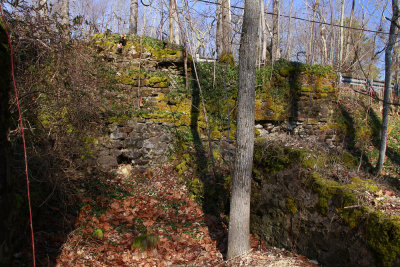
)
(145, 242)
(291, 205)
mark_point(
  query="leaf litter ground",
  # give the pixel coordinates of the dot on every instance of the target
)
(156, 204)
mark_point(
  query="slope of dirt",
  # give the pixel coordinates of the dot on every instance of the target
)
(166, 226)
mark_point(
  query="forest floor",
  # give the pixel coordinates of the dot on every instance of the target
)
(154, 222)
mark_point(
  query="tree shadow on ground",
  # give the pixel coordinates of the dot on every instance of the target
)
(376, 124)
(350, 139)
(295, 88)
(214, 195)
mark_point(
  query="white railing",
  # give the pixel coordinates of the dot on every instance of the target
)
(378, 86)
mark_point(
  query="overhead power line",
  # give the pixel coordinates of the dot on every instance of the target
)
(303, 19)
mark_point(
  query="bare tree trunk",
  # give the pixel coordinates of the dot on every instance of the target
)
(346, 52)
(43, 9)
(341, 37)
(239, 219)
(310, 56)
(332, 36)
(289, 41)
(218, 34)
(65, 17)
(386, 97)
(133, 16)
(373, 55)
(275, 31)
(262, 36)
(324, 47)
(171, 22)
(177, 35)
(223, 29)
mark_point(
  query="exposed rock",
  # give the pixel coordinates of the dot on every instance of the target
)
(118, 136)
(107, 162)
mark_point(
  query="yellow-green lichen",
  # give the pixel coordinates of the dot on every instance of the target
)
(325, 189)
(157, 81)
(363, 185)
(349, 160)
(98, 233)
(291, 205)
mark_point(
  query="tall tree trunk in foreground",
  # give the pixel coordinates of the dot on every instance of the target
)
(223, 37)
(133, 16)
(65, 17)
(386, 95)
(275, 31)
(239, 218)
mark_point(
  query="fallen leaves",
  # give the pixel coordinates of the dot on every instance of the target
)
(156, 224)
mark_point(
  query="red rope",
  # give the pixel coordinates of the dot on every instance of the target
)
(22, 133)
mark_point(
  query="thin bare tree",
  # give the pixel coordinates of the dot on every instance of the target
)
(65, 18)
(133, 16)
(310, 54)
(275, 44)
(223, 35)
(388, 76)
(341, 37)
(174, 33)
(289, 40)
(43, 8)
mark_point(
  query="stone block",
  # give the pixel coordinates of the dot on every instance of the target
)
(118, 136)
(107, 163)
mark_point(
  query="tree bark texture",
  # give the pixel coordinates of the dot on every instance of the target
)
(341, 37)
(65, 17)
(133, 16)
(177, 34)
(289, 41)
(276, 53)
(223, 36)
(310, 56)
(386, 94)
(43, 9)
(263, 37)
(174, 33)
(239, 218)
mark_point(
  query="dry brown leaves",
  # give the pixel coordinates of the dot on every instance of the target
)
(159, 205)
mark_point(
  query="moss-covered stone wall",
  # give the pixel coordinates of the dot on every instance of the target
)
(294, 205)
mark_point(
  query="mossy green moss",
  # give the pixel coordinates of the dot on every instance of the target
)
(349, 160)
(363, 185)
(158, 81)
(224, 58)
(98, 233)
(382, 230)
(325, 189)
(272, 159)
(183, 166)
(291, 205)
(146, 241)
(383, 235)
